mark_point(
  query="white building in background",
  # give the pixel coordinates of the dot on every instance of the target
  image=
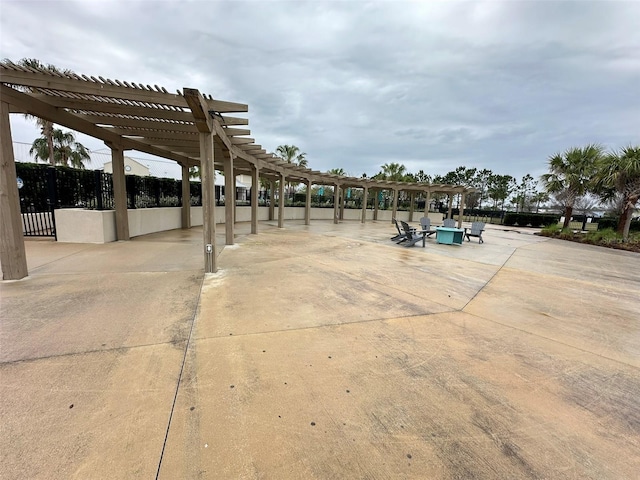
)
(131, 167)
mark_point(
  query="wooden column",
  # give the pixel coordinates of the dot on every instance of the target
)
(281, 202)
(461, 215)
(376, 204)
(336, 203)
(229, 198)
(307, 205)
(343, 200)
(395, 204)
(427, 201)
(12, 253)
(119, 192)
(186, 198)
(450, 205)
(255, 187)
(412, 199)
(204, 123)
(365, 196)
(207, 175)
(235, 195)
(272, 200)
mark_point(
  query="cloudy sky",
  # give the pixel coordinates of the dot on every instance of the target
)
(356, 84)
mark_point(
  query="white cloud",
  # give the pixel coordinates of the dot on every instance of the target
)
(434, 85)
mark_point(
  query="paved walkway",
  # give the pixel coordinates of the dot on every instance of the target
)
(321, 352)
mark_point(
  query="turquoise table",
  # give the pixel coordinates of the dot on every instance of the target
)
(449, 236)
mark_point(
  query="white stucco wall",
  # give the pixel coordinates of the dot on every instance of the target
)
(76, 225)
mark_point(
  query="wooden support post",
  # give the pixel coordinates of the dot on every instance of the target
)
(450, 206)
(336, 203)
(255, 187)
(307, 205)
(207, 175)
(272, 200)
(186, 198)
(235, 195)
(376, 204)
(427, 202)
(342, 201)
(119, 192)
(412, 199)
(281, 202)
(229, 198)
(365, 197)
(12, 253)
(394, 212)
(461, 213)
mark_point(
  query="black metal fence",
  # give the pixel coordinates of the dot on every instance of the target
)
(93, 189)
(37, 203)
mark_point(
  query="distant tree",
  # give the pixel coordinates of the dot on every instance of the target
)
(499, 188)
(338, 171)
(393, 171)
(524, 191)
(481, 182)
(46, 127)
(422, 177)
(571, 173)
(66, 151)
(618, 174)
(292, 154)
(194, 172)
(538, 198)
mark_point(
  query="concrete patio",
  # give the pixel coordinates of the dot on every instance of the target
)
(322, 351)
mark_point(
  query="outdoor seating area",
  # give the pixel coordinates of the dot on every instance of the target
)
(288, 362)
(447, 234)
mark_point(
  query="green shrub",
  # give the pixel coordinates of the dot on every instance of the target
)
(551, 230)
(533, 219)
(510, 219)
(566, 234)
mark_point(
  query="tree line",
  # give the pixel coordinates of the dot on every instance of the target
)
(613, 177)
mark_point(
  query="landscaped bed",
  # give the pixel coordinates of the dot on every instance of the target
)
(607, 237)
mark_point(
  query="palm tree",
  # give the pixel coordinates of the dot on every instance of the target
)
(338, 171)
(194, 172)
(393, 171)
(618, 174)
(539, 197)
(571, 173)
(66, 151)
(46, 127)
(292, 154)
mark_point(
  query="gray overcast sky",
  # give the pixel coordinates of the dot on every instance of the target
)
(355, 84)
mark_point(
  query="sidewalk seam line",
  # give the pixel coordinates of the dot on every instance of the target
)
(184, 360)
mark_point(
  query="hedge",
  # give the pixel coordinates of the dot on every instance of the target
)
(532, 219)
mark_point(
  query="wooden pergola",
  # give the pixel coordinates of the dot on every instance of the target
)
(189, 127)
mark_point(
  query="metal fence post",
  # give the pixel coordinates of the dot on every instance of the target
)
(53, 197)
(130, 183)
(97, 174)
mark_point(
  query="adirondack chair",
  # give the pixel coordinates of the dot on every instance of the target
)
(412, 237)
(425, 224)
(401, 236)
(449, 223)
(475, 231)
